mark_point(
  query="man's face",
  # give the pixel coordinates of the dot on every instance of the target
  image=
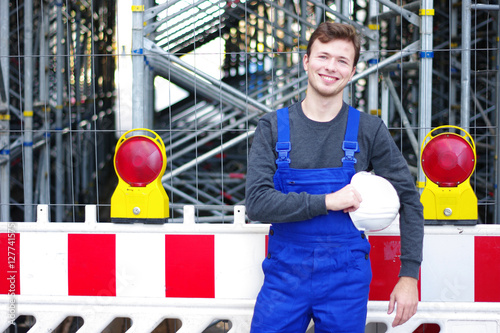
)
(330, 66)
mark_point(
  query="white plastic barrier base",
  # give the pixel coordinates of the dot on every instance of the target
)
(455, 317)
(148, 273)
(145, 314)
(197, 314)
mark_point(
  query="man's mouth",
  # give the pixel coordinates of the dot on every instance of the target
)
(328, 78)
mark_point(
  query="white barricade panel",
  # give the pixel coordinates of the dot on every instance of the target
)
(203, 272)
(448, 269)
(43, 263)
(460, 264)
(238, 258)
(140, 265)
(92, 259)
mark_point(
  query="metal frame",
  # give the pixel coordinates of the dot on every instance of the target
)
(221, 114)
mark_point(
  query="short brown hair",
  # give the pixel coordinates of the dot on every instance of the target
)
(328, 31)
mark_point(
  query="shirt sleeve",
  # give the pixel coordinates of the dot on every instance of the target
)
(388, 162)
(263, 202)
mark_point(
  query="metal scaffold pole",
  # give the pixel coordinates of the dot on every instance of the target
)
(466, 66)
(497, 119)
(453, 85)
(78, 97)
(149, 77)
(426, 56)
(44, 169)
(4, 113)
(137, 64)
(373, 46)
(345, 10)
(28, 111)
(59, 115)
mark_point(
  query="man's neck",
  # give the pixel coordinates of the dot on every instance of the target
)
(321, 109)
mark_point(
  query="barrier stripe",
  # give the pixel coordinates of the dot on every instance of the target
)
(9, 263)
(487, 270)
(140, 265)
(189, 266)
(448, 269)
(46, 264)
(236, 258)
(384, 258)
(159, 264)
(91, 265)
(459, 276)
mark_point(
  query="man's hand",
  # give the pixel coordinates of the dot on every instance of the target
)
(346, 199)
(405, 295)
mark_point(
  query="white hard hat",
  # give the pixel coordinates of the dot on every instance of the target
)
(380, 202)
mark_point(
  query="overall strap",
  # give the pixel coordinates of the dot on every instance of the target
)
(283, 146)
(350, 144)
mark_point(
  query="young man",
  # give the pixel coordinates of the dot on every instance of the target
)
(300, 166)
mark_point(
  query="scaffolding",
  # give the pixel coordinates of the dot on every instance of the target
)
(423, 64)
(58, 74)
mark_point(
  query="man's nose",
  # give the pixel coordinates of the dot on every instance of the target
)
(331, 65)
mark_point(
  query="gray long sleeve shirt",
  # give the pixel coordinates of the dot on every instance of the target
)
(319, 145)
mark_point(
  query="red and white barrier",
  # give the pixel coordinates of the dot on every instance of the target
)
(100, 259)
(202, 272)
(461, 264)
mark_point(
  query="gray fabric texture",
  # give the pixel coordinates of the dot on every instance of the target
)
(319, 145)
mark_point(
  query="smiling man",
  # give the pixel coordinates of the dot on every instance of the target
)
(299, 170)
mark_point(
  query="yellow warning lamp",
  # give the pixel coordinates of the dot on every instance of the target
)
(448, 161)
(140, 162)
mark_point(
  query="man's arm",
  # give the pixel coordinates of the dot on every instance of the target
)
(405, 298)
(263, 202)
(388, 162)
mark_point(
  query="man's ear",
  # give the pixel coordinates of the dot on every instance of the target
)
(305, 61)
(353, 72)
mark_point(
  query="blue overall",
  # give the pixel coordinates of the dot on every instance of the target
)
(317, 268)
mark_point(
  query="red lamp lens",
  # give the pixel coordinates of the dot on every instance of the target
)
(138, 161)
(448, 160)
